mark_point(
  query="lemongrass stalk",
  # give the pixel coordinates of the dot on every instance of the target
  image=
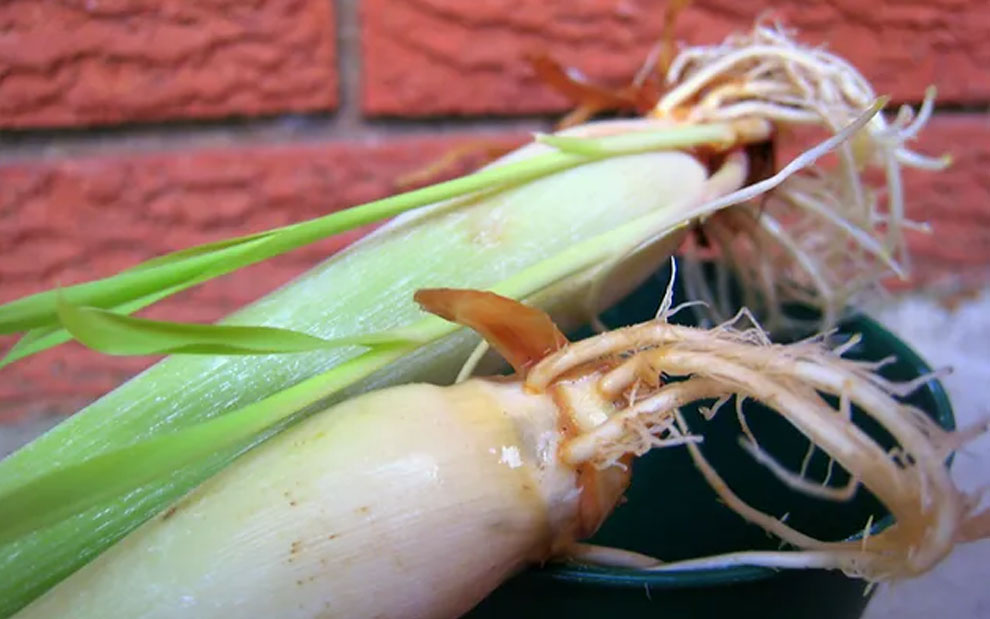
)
(475, 241)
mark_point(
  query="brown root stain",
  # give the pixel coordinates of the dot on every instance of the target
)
(591, 99)
(600, 490)
(523, 335)
(565, 414)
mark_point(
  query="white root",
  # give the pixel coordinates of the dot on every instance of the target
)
(617, 437)
(766, 74)
(798, 481)
(931, 515)
(724, 189)
(471, 363)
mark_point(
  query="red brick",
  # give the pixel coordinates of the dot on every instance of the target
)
(89, 62)
(956, 202)
(70, 220)
(432, 57)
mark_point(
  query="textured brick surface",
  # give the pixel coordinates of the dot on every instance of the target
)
(65, 221)
(956, 201)
(433, 57)
(86, 62)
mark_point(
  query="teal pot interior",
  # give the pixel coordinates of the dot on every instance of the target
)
(671, 513)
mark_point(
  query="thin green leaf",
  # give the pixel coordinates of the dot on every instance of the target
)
(70, 489)
(49, 337)
(637, 141)
(198, 250)
(578, 146)
(38, 310)
(53, 336)
(114, 334)
(34, 341)
(222, 257)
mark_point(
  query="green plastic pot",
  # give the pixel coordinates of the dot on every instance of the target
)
(671, 513)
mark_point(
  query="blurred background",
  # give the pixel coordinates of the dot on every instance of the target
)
(129, 128)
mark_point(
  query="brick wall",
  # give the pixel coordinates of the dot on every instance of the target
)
(133, 127)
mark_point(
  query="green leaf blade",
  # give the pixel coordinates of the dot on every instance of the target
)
(43, 338)
(38, 310)
(115, 334)
(198, 250)
(33, 342)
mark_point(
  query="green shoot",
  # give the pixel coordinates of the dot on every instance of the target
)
(114, 334)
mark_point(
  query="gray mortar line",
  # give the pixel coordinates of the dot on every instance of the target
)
(281, 130)
(348, 118)
(345, 124)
